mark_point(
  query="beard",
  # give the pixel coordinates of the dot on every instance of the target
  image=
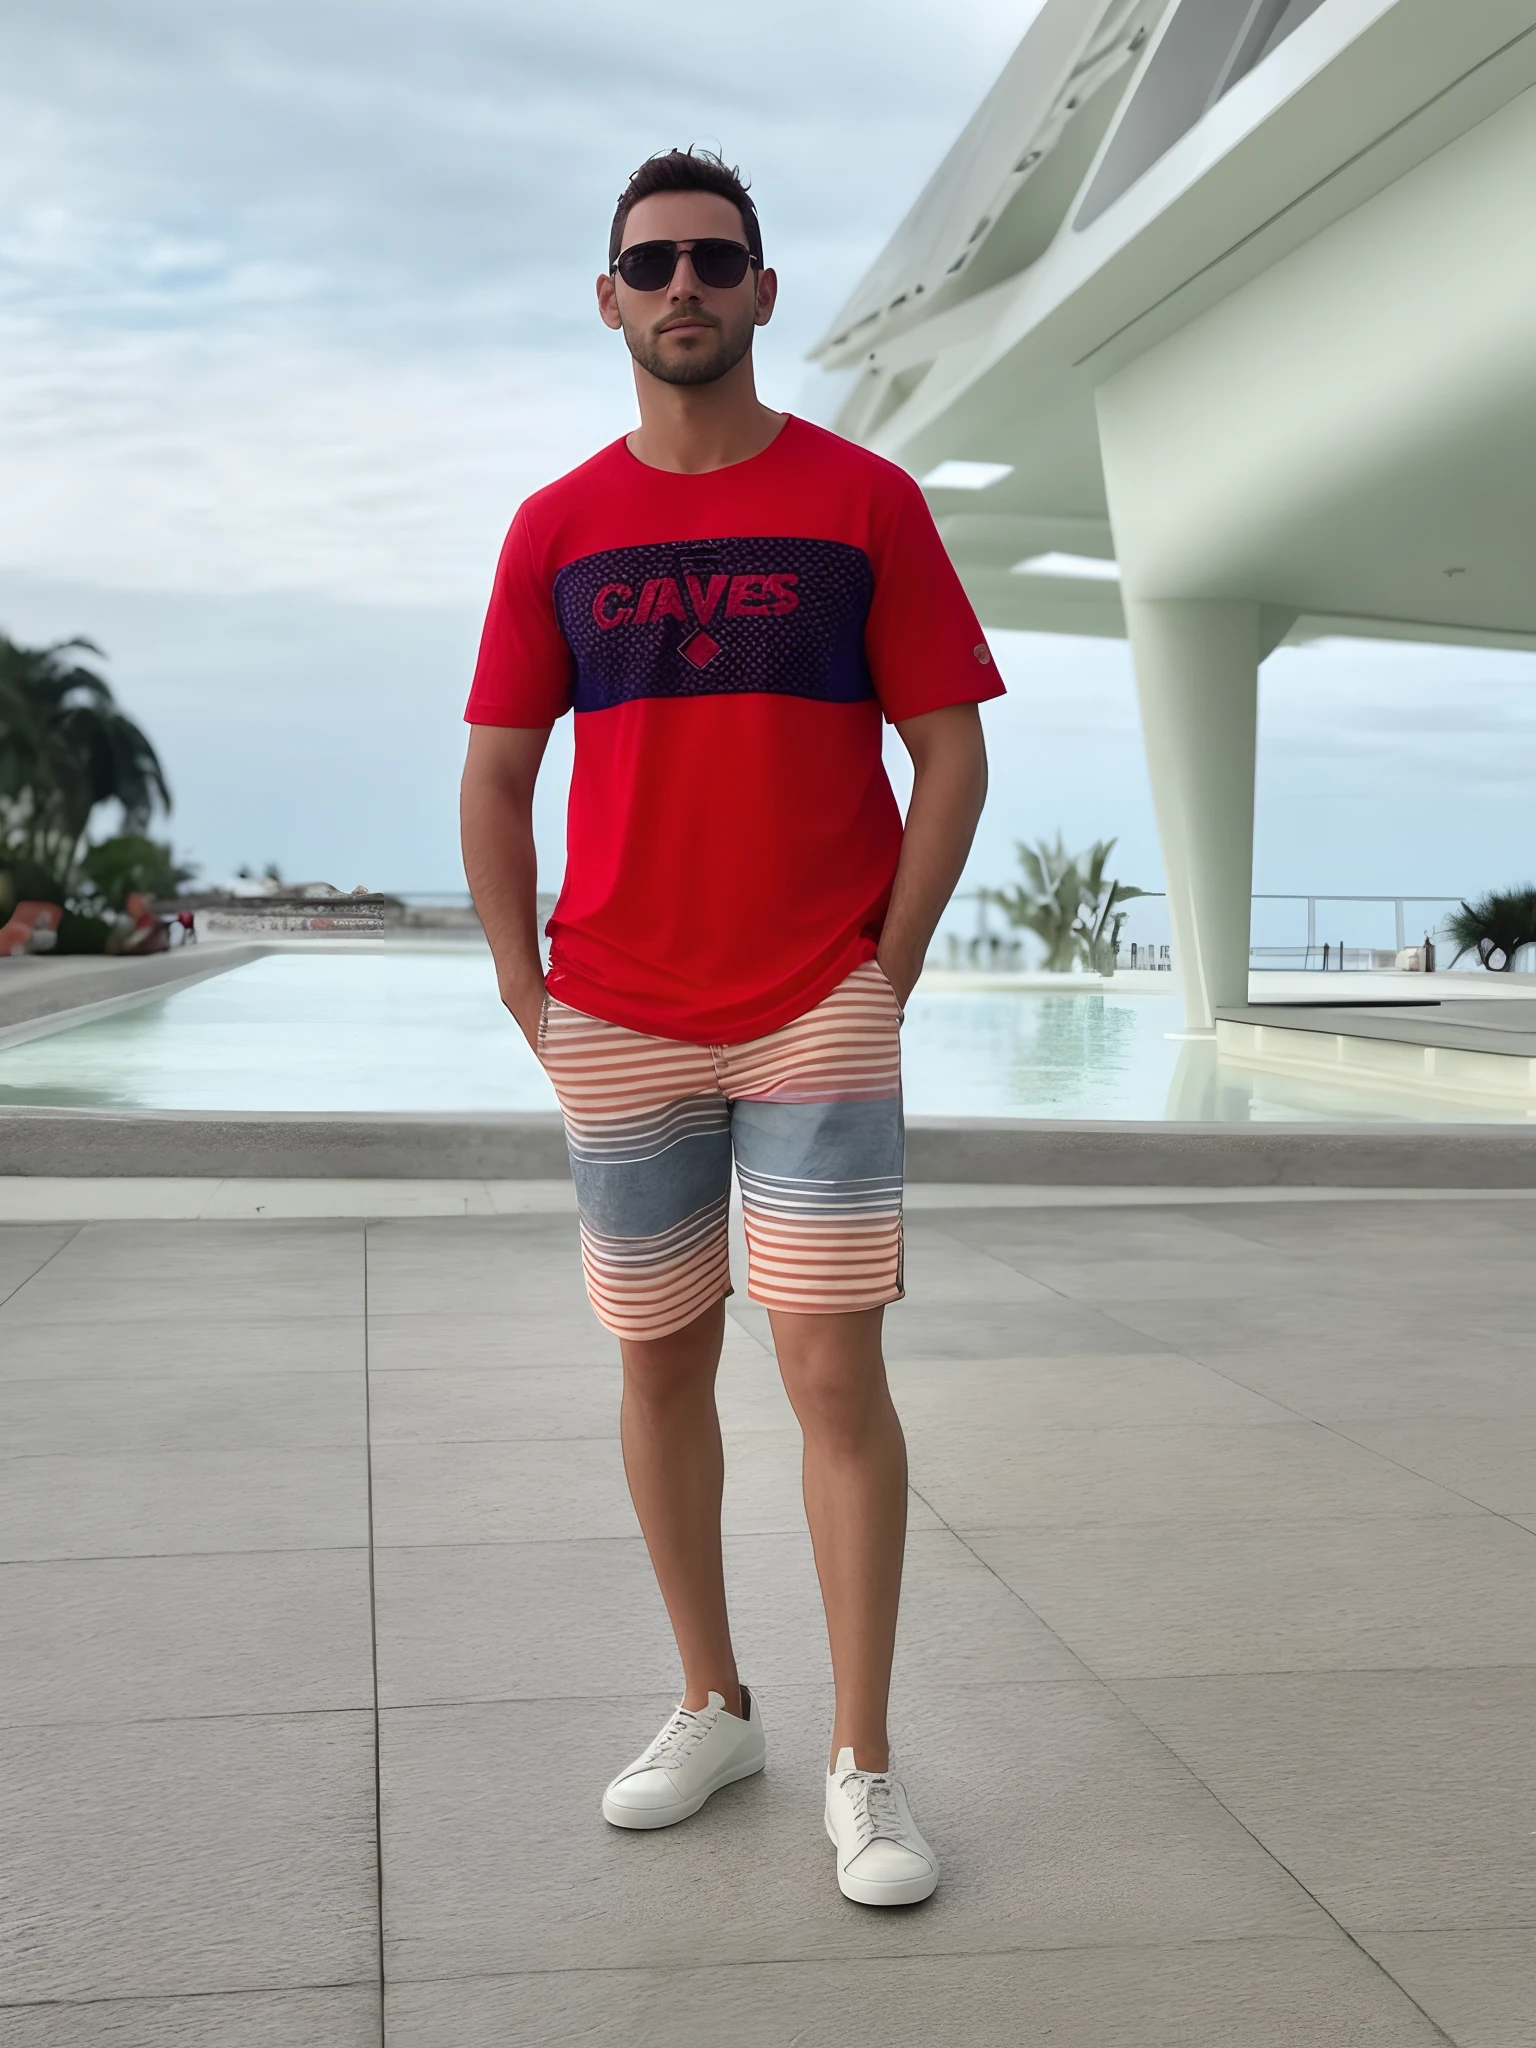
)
(704, 362)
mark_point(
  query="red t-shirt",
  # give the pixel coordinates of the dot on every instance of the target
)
(729, 643)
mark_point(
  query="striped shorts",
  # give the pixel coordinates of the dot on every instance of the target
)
(811, 1113)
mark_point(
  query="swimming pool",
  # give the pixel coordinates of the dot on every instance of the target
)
(426, 1032)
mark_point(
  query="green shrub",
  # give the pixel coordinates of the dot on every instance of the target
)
(1495, 927)
(81, 934)
(116, 867)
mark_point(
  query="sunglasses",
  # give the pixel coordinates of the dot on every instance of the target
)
(650, 266)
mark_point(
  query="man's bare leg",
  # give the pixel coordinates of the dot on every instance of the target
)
(676, 1471)
(855, 1477)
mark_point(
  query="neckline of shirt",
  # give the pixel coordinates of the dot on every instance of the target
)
(704, 476)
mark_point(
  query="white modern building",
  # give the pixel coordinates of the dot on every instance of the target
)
(1217, 326)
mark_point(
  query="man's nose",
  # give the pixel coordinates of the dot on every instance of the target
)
(685, 283)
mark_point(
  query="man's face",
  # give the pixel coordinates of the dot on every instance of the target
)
(686, 333)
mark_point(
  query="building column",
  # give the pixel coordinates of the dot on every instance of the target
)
(1197, 676)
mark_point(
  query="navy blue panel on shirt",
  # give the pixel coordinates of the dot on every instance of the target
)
(717, 618)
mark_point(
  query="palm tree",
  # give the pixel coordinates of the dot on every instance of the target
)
(1065, 901)
(65, 748)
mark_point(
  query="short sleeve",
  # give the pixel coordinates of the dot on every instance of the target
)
(923, 642)
(523, 673)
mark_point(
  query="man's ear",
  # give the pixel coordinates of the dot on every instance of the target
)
(767, 297)
(608, 304)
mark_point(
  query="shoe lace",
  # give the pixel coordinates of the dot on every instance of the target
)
(682, 1734)
(876, 1816)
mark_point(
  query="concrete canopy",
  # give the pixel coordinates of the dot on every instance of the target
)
(1238, 293)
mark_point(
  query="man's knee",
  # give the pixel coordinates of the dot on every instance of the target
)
(680, 1367)
(835, 1377)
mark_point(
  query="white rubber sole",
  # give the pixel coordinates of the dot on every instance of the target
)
(912, 1893)
(619, 1816)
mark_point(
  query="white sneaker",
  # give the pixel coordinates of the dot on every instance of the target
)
(693, 1756)
(882, 1860)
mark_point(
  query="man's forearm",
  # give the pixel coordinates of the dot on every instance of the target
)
(949, 788)
(501, 863)
(502, 870)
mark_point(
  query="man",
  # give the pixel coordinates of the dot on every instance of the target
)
(730, 599)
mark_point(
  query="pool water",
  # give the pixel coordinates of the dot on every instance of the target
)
(427, 1032)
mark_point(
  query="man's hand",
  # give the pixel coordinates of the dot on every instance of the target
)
(525, 999)
(900, 975)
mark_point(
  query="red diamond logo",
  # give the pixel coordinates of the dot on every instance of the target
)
(700, 649)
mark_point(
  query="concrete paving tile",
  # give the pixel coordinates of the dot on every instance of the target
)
(535, 1336)
(565, 1487)
(49, 1300)
(443, 1404)
(1492, 1461)
(1381, 1227)
(1059, 1820)
(744, 1345)
(125, 1273)
(1111, 1281)
(96, 1198)
(1234, 1596)
(1050, 1328)
(25, 1248)
(340, 2016)
(980, 1478)
(545, 1620)
(233, 1411)
(155, 1858)
(1307, 1993)
(1400, 1799)
(122, 1638)
(499, 1492)
(749, 1394)
(1386, 1377)
(473, 1265)
(495, 1405)
(151, 1503)
(1480, 1985)
(364, 1199)
(959, 1625)
(297, 1248)
(750, 1318)
(529, 1197)
(194, 1345)
(1087, 1235)
(940, 1267)
(563, 1620)
(1021, 1395)
(1338, 1321)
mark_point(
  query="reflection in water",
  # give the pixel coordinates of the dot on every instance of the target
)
(1029, 1054)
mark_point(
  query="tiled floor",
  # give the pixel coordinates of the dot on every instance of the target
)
(1215, 1689)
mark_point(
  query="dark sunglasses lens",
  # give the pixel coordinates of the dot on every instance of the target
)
(720, 265)
(648, 266)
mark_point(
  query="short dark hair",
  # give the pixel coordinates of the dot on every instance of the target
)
(686, 170)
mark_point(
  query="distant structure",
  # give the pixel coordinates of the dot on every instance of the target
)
(1217, 326)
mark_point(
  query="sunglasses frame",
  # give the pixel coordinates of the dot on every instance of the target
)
(686, 248)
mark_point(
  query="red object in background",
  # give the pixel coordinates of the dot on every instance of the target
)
(27, 920)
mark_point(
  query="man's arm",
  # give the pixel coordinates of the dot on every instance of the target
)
(496, 826)
(949, 787)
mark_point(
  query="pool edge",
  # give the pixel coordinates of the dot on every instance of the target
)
(530, 1145)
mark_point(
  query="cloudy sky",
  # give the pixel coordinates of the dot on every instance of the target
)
(296, 304)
